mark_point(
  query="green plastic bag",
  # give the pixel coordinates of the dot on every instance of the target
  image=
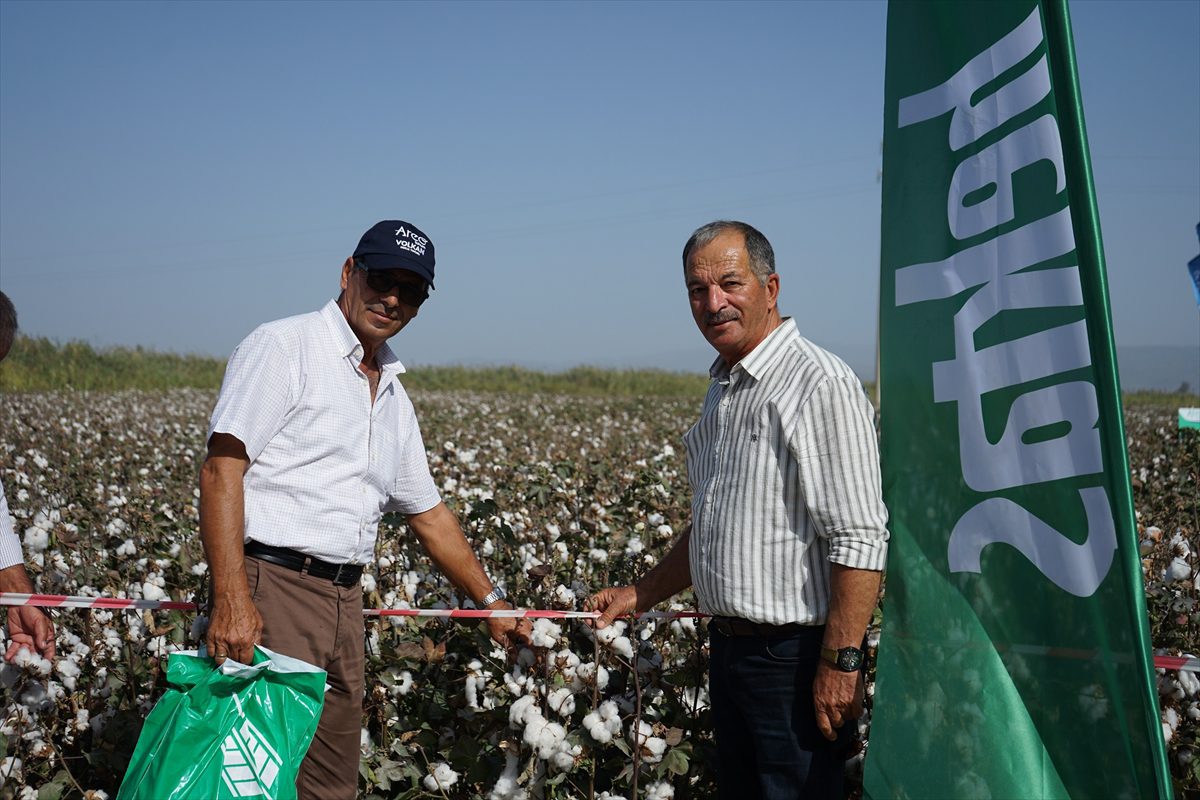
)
(234, 731)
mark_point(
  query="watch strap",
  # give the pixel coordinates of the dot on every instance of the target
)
(495, 594)
(834, 657)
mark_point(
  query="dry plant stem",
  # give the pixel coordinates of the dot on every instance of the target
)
(66, 769)
(425, 760)
(637, 711)
(595, 704)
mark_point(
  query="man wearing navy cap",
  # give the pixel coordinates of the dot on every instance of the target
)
(313, 438)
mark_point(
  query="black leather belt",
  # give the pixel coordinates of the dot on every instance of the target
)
(340, 574)
(736, 626)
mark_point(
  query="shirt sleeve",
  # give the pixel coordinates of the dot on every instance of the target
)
(414, 491)
(10, 544)
(256, 392)
(838, 456)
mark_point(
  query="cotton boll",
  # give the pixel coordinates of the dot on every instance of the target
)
(623, 646)
(1170, 721)
(596, 728)
(68, 670)
(36, 540)
(506, 787)
(470, 688)
(440, 777)
(365, 745)
(544, 736)
(660, 790)
(522, 710)
(651, 747)
(368, 582)
(545, 633)
(562, 702)
(1177, 570)
(1189, 682)
(34, 697)
(562, 597)
(403, 684)
(589, 673)
(11, 766)
(565, 756)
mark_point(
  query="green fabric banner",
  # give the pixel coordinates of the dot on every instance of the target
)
(1014, 660)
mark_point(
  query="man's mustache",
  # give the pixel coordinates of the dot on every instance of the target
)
(726, 315)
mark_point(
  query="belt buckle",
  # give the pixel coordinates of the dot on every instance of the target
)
(337, 576)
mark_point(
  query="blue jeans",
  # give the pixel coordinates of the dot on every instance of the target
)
(768, 743)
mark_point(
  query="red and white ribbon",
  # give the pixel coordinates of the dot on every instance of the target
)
(118, 604)
(67, 601)
(530, 613)
(1185, 663)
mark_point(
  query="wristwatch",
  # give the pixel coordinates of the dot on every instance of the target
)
(847, 659)
(495, 594)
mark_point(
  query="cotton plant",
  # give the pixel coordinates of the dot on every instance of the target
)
(593, 493)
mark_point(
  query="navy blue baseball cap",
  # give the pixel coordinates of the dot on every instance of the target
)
(396, 244)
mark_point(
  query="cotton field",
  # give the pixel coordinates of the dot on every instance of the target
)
(561, 496)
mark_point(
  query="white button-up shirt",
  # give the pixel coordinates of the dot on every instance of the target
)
(325, 462)
(784, 470)
(10, 545)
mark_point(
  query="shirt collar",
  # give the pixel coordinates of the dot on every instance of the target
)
(348, 344)
(758, 360)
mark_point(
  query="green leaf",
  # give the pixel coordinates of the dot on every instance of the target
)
(676, 762)
(388, 771)
(54, 789)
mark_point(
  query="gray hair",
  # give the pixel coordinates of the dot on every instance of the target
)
(8, 324)
(762, 257)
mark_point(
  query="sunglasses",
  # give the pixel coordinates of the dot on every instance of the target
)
(383, 283)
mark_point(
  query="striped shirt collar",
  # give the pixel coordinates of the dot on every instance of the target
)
(350, 347)
(758, 360)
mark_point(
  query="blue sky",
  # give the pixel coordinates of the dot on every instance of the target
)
(173, 174)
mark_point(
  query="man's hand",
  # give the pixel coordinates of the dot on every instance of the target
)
(837, 698)
(234, 628)
(614, 602)
(29, 627)
(511, 633)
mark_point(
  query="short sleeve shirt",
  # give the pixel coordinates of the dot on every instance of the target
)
(10, 545)
(325, 462)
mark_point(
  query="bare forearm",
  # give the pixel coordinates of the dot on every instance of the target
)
(221, 525)
(669, 577)
(439, 533)
(15, 579)
(853, 595)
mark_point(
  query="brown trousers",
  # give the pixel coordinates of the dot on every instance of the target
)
(313, 620)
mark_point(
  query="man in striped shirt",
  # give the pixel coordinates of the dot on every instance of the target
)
(788, 535)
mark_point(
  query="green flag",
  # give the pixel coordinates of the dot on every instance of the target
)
(1015, 660)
